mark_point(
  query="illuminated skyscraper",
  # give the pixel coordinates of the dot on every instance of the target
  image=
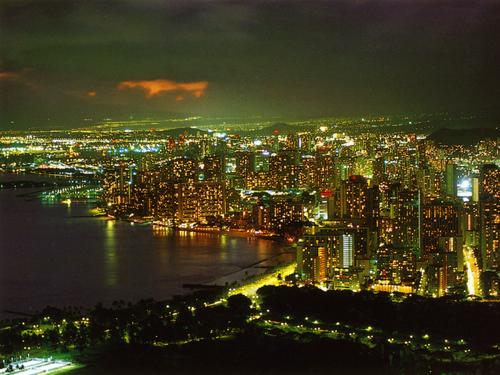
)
(451, 180)
(353, 198)
(325, 171)
(490, 217)
(315, 255)
(313, 263)
(260, 216)
(242, 168)
(184, 169)
(401, 225)
(378, 167)
(261, 161)
(284, 169)
(117, 186)
(396, 267)
(347, 250)
(439, 219)
(489, 182)
(336, 248)
(244, 164)
(308, 177)
(441, 242)
(212, 168)
(200, 200)
(284, 210)
(475, 189)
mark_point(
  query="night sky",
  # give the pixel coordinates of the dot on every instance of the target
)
(70, 60)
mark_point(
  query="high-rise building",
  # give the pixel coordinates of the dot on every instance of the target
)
(402, 217)
(244, 166)
(260, 216)
(284, 210)
(353, 198)
(347, 250)
(315, 255)
(325, 171)
(184, 169)
(261, 161)
(308, 175)
(284, 169)
(451, 180)
(490, 234)
(475, 189)
(200, 201)
(212, 168)
(439, 219)
(396, 265)
(489, 182)
(378, 167)
(373, 208)
(340, 247)
(117, 186)
(314, 258)
(489, 203)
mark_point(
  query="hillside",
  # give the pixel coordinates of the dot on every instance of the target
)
(466, 137)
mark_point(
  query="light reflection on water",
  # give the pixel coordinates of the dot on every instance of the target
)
(50, 254)
(111, 265)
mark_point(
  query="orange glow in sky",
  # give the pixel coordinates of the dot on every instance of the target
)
(8, 75)
(158, 86)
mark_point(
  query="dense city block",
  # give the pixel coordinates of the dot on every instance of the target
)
(369, 204)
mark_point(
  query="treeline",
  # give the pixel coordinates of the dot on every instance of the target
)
(146, 322)
(250, 351)
(476, 322)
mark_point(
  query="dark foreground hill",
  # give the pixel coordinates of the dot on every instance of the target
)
(466, 137)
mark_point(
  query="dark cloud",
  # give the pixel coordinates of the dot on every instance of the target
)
(288, 58)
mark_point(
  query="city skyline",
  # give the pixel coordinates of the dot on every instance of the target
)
(369, 204)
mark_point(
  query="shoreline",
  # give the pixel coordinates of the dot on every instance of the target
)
(241, 233)
(226, 232)
(243, 277)
(228, 283)
(240, 273)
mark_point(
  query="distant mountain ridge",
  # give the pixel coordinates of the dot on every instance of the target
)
(186, 130)
(466, 137)
(275, 129)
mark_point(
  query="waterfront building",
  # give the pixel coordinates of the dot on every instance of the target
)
(200, 201)
(260, 216)
(117, 185)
